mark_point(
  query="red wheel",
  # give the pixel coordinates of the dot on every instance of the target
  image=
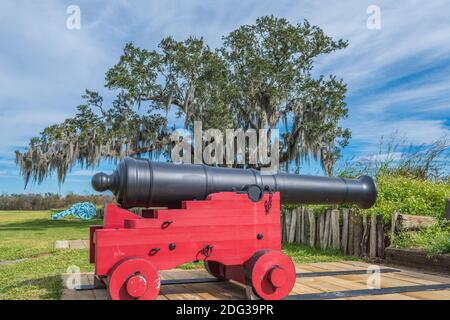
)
(271, 274)
(134, 279)
(216, 269)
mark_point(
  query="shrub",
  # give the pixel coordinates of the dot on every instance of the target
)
(411, 181)
(410, 195)
(434, 240)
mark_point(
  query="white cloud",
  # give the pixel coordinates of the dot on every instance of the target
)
(417, 132)
(44, 68)
(375, 53)
(409, 99)
(7, 162)
(381, 157)
(9, 172)
(82, 173)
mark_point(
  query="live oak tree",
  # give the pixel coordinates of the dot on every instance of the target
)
(261, 77)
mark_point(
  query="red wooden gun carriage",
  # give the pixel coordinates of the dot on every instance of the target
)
(228, 218)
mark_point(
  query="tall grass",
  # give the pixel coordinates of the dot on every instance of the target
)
(434, 240)
(396, 157)
(411, 180)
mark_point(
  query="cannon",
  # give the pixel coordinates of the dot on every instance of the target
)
(226, 217)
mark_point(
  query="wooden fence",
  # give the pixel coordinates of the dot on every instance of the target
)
(356, 235)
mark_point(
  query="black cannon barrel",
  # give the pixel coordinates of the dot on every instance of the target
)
(144, 183)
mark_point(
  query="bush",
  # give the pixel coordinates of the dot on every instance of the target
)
(434, 240)
(411, 181)
(409, 195)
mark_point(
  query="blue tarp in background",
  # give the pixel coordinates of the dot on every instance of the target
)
(83, 211)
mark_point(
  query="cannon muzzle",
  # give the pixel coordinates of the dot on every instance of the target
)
(144, 183)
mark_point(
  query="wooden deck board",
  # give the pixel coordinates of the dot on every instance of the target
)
(309, 268)
(394, 296)
(411, 279)
(429, 295)
(305, 285)
(407, 272)
(339, 266)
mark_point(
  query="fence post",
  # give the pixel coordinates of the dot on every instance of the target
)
(351, 223)
(335, 231)
(298, 213)
(380, 236)
(357, 235)
(293, 224)
(312, 227)
(288, 225)
(393, 224)
(344, 242)
(365, 236)
(326, 233)
(373, 236)
(303, 234)
(321, 223)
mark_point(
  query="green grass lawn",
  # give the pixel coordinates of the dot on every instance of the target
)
(434, 240)
(305, 254)
(26, 234)
(32, 235)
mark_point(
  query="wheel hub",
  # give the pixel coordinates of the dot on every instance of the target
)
(136, 286)
(277, 277)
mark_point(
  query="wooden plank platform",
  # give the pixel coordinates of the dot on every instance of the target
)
(316, 285)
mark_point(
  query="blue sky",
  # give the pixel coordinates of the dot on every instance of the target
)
(398, 76)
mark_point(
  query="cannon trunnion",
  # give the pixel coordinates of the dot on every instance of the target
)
(227, 218)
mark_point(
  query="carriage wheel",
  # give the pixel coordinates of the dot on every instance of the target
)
(134, 279)
(271, 275)
(216, 269)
